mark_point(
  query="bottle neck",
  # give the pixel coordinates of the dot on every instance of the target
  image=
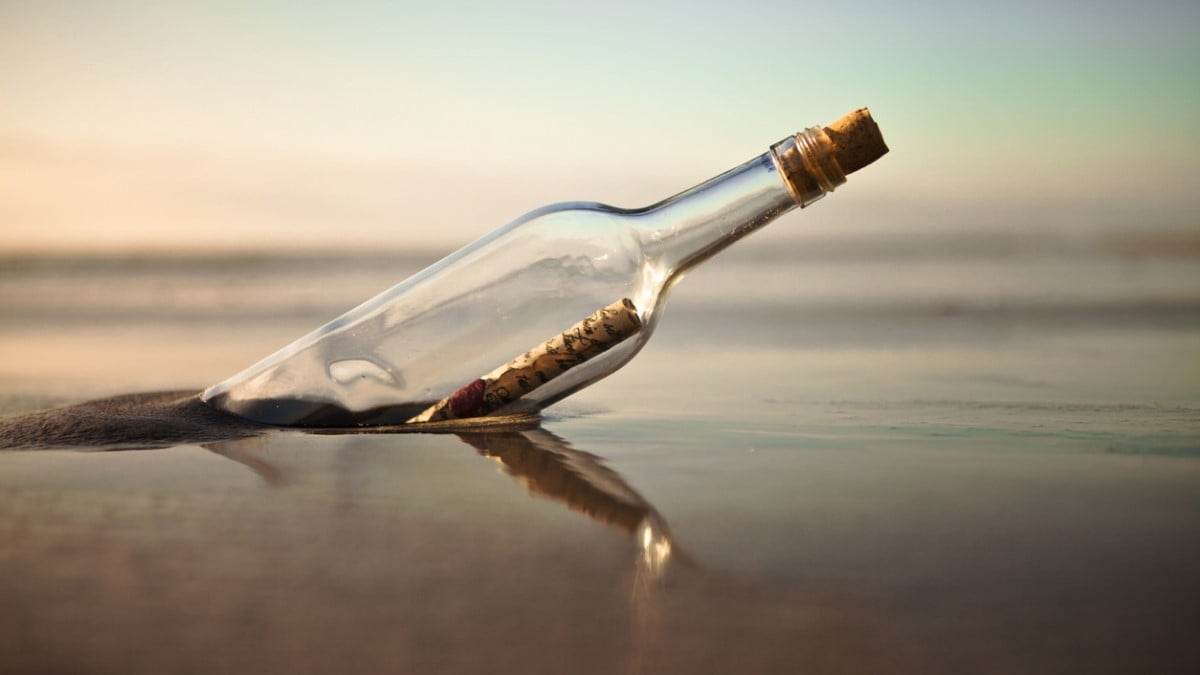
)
(694, 225)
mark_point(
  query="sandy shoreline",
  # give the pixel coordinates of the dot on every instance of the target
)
(878, 487)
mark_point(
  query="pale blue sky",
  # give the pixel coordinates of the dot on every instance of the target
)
(131, 125)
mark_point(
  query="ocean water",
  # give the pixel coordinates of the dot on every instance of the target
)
(937, 458)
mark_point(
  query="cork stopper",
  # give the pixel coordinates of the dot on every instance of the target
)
(856, 140)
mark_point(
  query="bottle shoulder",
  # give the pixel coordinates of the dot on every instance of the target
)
(584, 209)
(591, 224)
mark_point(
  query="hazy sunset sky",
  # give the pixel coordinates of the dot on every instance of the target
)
(130, 126)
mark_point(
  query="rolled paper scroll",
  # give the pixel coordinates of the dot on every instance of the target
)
(584, 341)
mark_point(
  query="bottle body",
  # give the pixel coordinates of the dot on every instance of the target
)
(423, 340)
(386, 360)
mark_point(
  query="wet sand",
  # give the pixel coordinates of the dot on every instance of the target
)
(124, 422)
(968, 487)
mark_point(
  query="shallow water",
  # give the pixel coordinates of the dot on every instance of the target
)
(989, 464)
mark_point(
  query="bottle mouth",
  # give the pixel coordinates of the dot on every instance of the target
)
(817, 152)
(808, 166)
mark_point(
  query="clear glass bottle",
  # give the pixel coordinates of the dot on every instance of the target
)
(447, 329)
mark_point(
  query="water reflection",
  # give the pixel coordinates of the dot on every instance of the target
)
(550, 468)
(545, 464)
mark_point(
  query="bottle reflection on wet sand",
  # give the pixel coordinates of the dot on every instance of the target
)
(549, 468)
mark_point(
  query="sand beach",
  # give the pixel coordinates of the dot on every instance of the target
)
(965, 461)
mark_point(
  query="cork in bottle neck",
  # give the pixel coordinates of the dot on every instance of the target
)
(815, 161)
(807, 164)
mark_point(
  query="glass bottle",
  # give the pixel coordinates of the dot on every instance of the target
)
(572, 290)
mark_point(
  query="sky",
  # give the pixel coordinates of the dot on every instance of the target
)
(199, 126)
